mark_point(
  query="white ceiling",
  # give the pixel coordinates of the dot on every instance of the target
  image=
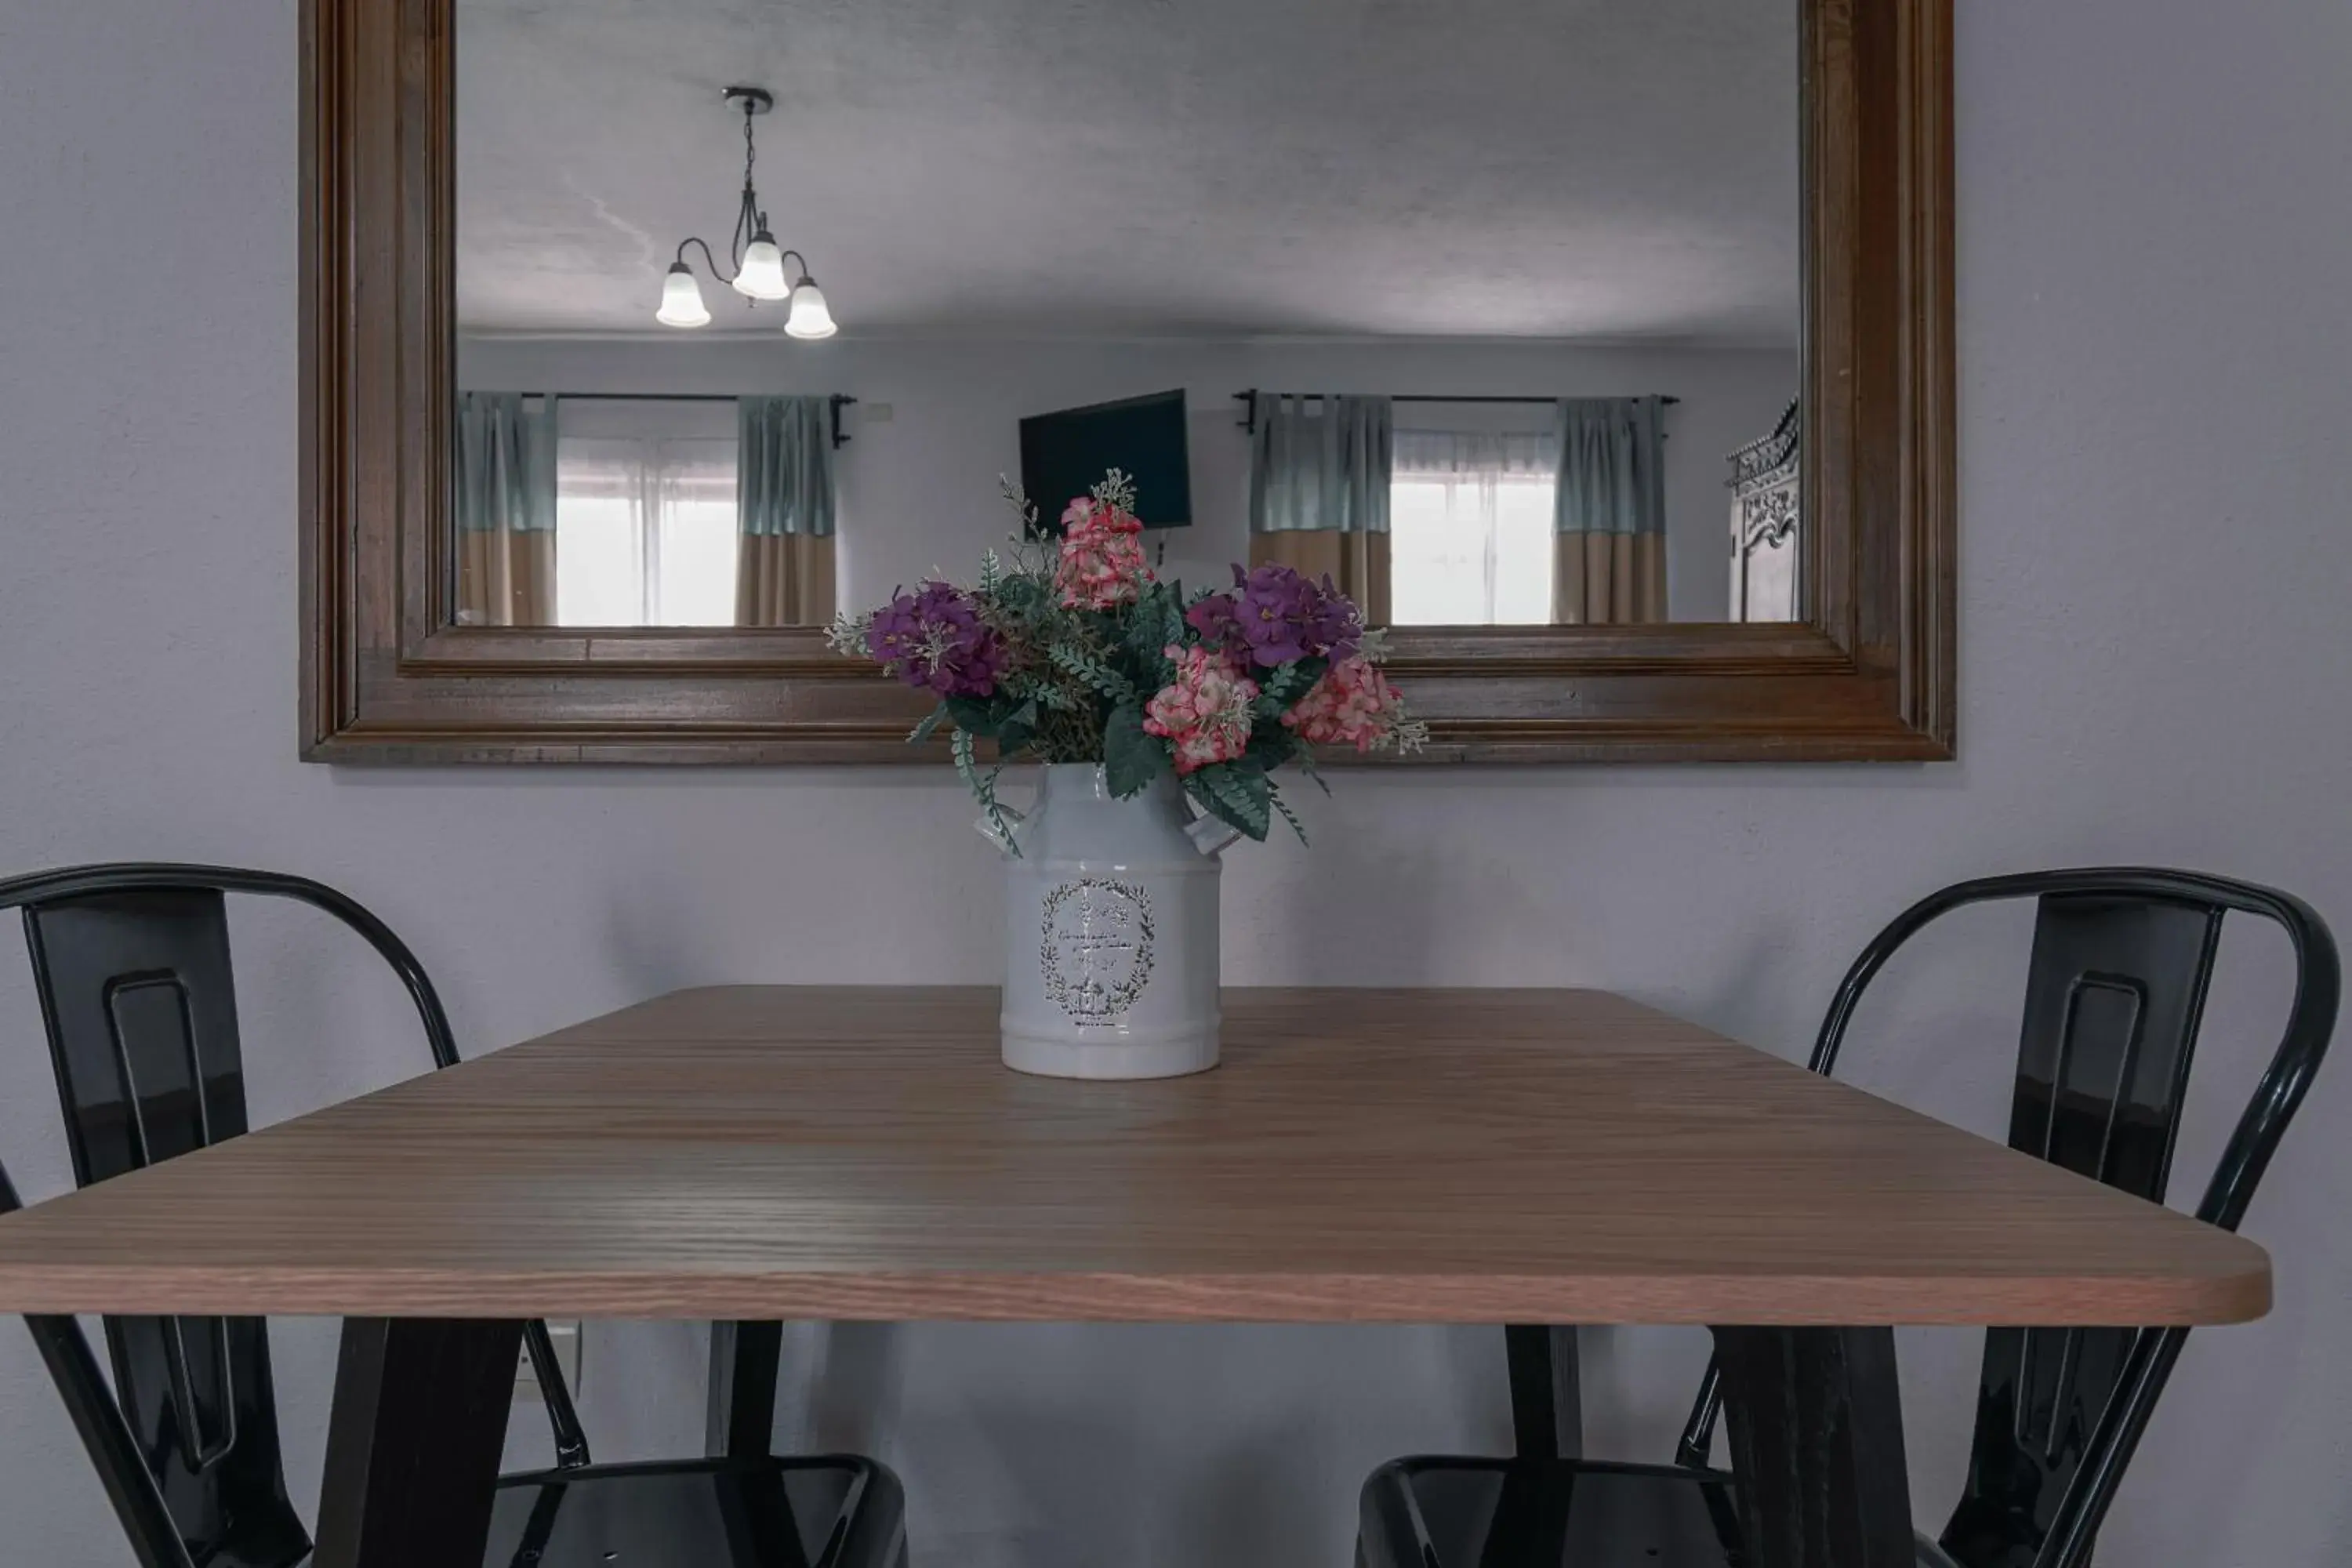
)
(1621, 169)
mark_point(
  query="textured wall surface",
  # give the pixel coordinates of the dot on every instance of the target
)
(2156, 235)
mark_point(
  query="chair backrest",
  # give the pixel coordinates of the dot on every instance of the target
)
(2114, 992)
(131, 964)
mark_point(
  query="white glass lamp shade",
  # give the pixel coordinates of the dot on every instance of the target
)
(809, 318)
(681, 304)
(762, 276)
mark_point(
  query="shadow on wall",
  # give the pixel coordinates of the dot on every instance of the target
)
(855, 1387)
(1399, 886)
(1245, 1502)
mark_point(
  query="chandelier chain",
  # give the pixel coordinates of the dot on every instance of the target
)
(749, 220)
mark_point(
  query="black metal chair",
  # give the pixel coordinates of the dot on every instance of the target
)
(131, 963)
(2114, 992)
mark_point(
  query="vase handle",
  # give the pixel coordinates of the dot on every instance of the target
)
(1211, 837)
(1002, 837)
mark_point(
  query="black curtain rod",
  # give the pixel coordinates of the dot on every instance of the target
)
(1249, 414)
(675, 397)
(840, 437)
(1428, 397)
(648, 396)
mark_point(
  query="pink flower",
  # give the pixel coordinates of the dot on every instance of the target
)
(1102, 557)
(1353, 704)
(1204, 711)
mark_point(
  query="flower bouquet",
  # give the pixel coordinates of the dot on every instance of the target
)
(1077, 653)
(1145, 703)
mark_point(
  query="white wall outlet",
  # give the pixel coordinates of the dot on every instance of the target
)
(565, 1337)
(877, 413)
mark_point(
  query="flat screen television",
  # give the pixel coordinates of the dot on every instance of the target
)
(1064, 455)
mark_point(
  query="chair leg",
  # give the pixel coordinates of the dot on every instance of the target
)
(762, 1531)
(563, 1415)
(122, 1468)
(539, 1528)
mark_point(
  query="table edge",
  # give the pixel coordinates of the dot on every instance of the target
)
(2220, 1297)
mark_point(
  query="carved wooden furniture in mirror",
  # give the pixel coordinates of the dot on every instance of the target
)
(1768, 537)
(1557, 268)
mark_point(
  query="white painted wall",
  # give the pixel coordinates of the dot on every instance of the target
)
(919, 494)
(2156, 237)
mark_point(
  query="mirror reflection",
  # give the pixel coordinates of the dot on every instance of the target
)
(1490, 311)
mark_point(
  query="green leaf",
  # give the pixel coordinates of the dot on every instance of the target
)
(1196, 786)
(1273, 798)
(1238, 797)
(1269, 748)
(973, 715)
(1017, 729)
(1133, 756)
(1094, 670)
(1171, 615)
(1156, 623)
(1305, 756)
(982, 787)
(1286, 685)
(928, 726)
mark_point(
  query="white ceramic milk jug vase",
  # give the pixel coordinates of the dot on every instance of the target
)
(1110, 929)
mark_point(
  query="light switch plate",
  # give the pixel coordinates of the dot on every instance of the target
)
(565, 1338)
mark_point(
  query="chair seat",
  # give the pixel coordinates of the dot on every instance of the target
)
(837, 1511)
(1437, 1513)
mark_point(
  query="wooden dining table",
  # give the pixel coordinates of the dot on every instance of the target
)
(1467, 1156)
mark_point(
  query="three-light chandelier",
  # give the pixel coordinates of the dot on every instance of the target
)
(755, 264)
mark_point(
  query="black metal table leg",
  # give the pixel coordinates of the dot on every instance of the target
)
(413, 1444)
(745, 1358)
(1547, 1399)
(1816, 1421)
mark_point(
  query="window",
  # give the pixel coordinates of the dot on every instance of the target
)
(1470, 528)
(645, 514)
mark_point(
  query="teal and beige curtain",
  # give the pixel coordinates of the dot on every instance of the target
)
(1610, 506)
(504, 482)
(784, 495)
(1319, 492)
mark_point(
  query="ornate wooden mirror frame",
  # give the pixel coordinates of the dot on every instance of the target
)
(387, 678)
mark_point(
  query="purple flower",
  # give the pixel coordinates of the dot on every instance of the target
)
(1217, 620)
(934, 639)
(1274, 616)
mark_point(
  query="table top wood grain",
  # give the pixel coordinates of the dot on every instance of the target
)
(1363, 1155)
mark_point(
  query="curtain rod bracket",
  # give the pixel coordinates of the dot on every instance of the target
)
(840, 437)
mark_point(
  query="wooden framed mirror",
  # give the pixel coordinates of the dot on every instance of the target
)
(430, 315)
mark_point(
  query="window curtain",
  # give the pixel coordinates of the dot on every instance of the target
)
(1611, 509)
(1495, 550)
(505, 503)
(784, 499)
(1319, 492)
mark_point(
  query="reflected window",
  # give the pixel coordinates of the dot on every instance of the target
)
(1471, 528)
(645, 524)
